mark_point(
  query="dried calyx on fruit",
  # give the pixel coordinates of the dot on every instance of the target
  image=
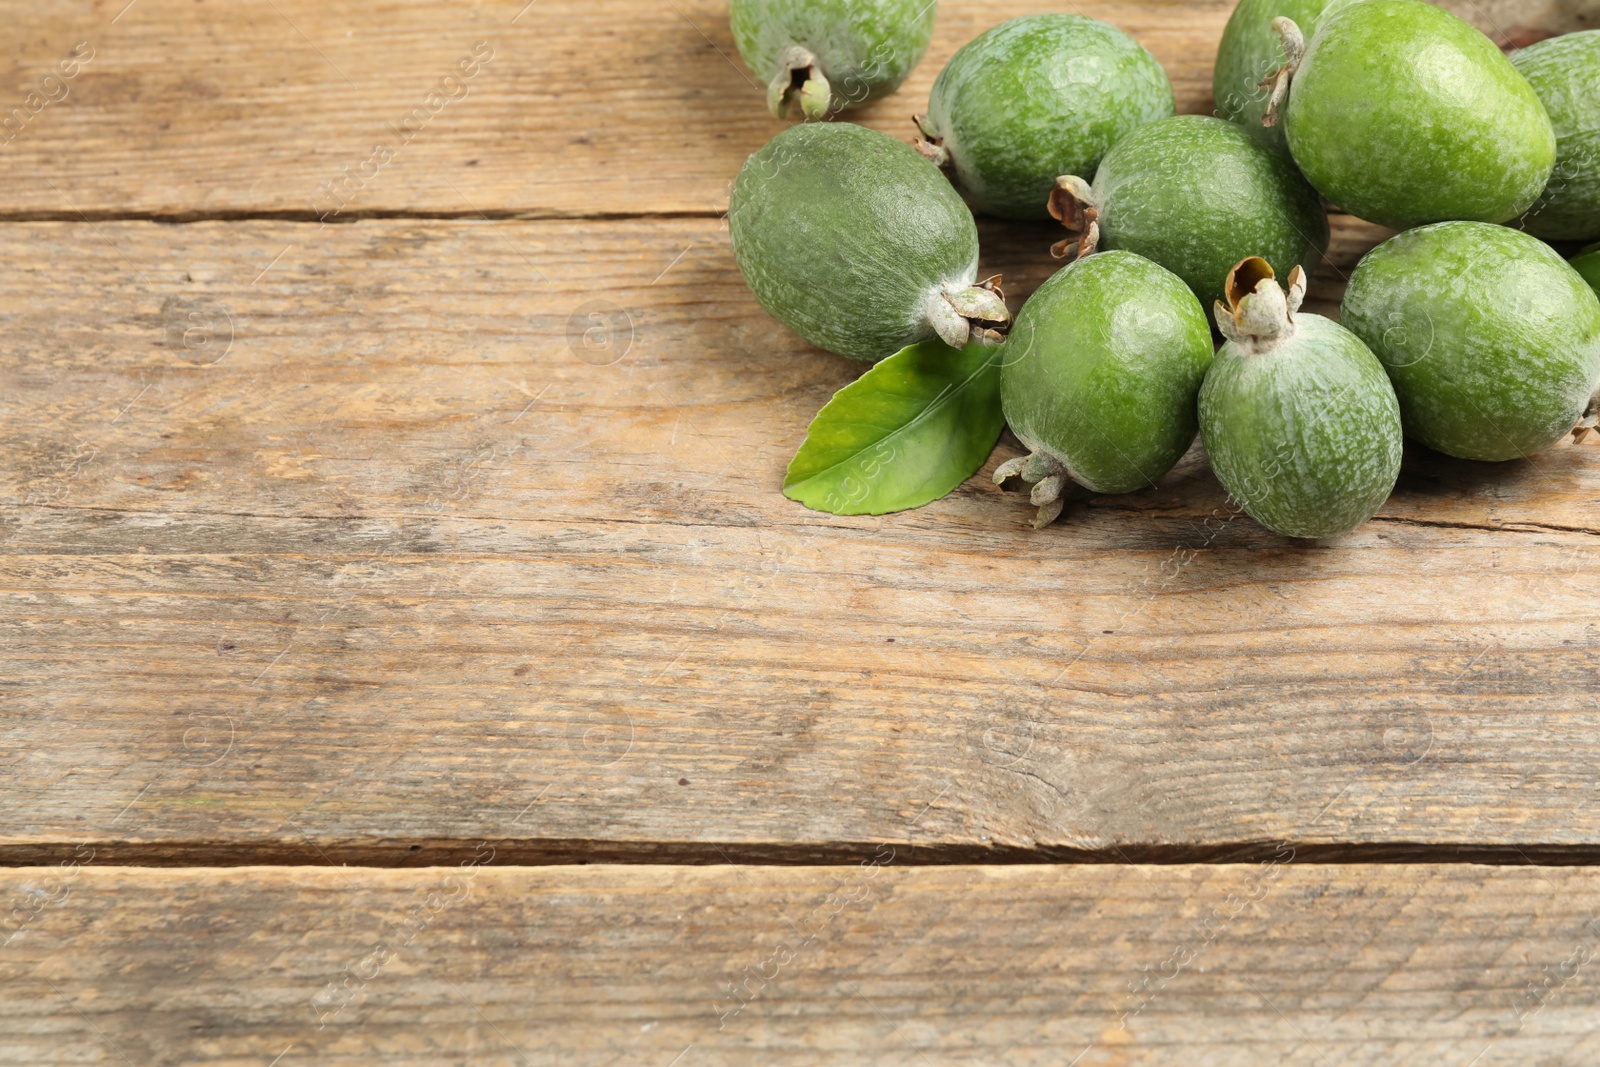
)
(970, 314)
(849, 238)
(1073, 204)
(1299, 421)
(799, 78)
(1251, 51)
(1259, 313)
(1196, 195)
(830, 55)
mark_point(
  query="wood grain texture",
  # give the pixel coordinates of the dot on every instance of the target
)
(327, 542)
(203, 109)
(416, 541)
(1215, 966)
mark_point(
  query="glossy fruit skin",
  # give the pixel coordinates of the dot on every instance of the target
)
(843, 232)
(1306, 436)
(1565, 73)
(1196, 195)
(1036, 97)
(866, 48)
(1249, 53)
(1403, 114)
(1491, 339)
(1587, 263)
(1102, 368)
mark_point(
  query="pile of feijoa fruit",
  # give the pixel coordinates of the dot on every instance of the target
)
(1469, 331)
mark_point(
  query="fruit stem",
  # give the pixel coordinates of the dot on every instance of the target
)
(1072, 203)
(1259, 314)
(974, 313)
(799, 77)
(1294, 51)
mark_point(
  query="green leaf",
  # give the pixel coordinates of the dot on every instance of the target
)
(1587, 263)
(905, 433)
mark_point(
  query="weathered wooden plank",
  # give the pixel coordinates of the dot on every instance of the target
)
(1272, 963)
(572, 108)
(397, 566)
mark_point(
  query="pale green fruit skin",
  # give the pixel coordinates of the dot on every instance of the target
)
(1306, 437)
(1102, 367)
(1565, 73)
(1402, 114)
(1197, 195)
(1491, 339)
(865, 48)
(1249, 53)
(1587, 263)
(1036, 97)
(842, 232)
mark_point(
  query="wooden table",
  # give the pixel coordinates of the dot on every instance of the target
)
(392, 678)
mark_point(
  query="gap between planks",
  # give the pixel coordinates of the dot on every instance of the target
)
(184, 218)
(402, 854)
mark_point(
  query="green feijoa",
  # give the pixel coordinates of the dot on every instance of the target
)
(1299, 421)
(1565, 72)
(1587, 263)
(1099, 376)
(1491, 339)
(1033, 98)
(1252, 52)
(1196, 195)
(851, 239)
(1403, 114)
(830, 55)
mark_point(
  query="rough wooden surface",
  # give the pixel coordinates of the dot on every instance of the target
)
(1212, 966)
(204, 108)
(395, 568)
(435, 539)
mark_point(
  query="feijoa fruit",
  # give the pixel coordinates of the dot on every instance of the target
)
(1099, 376)
(830, 55)
(1196, 195)
(851, 239)
(1565, 72)
(1401, 113)
(1033, 98)
(1491, 339)
(1298, 419)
